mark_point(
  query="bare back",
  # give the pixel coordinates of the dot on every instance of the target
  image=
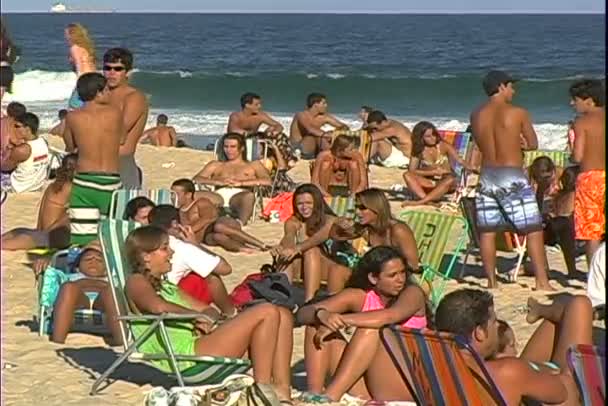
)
(164, 137)
(498, 129)
(96, 131)
(402, 138)
(53, 203)
(590, 141)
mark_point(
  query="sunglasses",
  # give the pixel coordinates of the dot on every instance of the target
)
(113, 68)
(360, 207)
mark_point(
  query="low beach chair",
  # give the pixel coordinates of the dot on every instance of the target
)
(588, 363)
(431, 232)
(560, 158)
(121, 197)
(434, 369)
(464, 145)
(49, 285)
(205, 369)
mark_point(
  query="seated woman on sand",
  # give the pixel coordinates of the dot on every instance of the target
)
(376, 226)
(265, 330)
(380, 292)
(72, 296)
(306, 246)
(430, 174)
(53, 228)
(341, 170)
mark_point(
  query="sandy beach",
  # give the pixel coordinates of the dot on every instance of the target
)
(37, 371)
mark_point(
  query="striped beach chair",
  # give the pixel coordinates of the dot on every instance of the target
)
(432, 366)
(121, 197)
(431, 231)
(206, 369)
(342, 206)
(560, 158)
(588, 363)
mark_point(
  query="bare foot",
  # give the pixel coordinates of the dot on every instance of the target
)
(248, 251)
(533, 311)
(545, 286)
(492, 285)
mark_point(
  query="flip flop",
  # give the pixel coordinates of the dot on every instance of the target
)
(315, 398)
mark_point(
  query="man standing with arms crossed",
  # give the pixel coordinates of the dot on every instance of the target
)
(117, 62)
(97, 131)
(588, 99)
(505, 200)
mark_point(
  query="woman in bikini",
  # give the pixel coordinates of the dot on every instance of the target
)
(380, 292)
(265, 330)
(82, 56)
(430, 174)
(306, 248)
(53, 228)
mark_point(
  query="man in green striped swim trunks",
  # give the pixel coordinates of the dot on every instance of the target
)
(96, 131)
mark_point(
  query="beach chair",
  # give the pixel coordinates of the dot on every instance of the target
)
(49, 283)
(434, 369)
(560, 158)
(431, 232)
(588, 363)
(206, 369)
(121, 197)
(464, 145)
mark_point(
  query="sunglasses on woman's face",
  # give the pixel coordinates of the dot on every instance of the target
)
(360, 207)
(113, 68)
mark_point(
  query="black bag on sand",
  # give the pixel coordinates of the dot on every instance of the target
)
(275, 288)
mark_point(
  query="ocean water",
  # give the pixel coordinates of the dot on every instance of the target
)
(194, 67)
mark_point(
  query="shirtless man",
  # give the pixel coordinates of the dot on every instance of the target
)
(59, 128)
(52, 229)
(391, 141)
(541, 372)
(162, 135)
(97, 131)
(341, 165)
(305, 132)
(251, 117)
(233, 176)
(117, 62)
(588, 98)
(505, 200)
(209, 227)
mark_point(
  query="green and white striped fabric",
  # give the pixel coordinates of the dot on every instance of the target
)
(122, 197)
(431, 232)
(342, 206)
(207, 370)
(559, 158)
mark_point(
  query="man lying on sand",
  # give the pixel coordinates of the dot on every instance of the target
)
(305, 131)
(391, 141)
(251, 117)
(505, 199)
(233, 177)
(162, 135)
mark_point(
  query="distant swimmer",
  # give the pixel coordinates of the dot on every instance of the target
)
(588, 97)
(391, 141)
(162, 135)
(97, 131)
(306, 132)
(117, 63)
(251, 117)
(505, 199)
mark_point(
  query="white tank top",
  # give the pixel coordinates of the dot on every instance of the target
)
(30, 174)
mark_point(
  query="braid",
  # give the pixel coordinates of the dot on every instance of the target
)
(141, 268)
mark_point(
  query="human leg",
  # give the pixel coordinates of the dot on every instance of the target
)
(242, 203)
(416, 183)
(337, 275)
(232, 229)
(281, 369)
(312, 272)
(535, 246)
(487, 249)
(23, 239)
(316, 361)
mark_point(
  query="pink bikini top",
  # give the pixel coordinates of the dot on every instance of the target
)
(373, 302)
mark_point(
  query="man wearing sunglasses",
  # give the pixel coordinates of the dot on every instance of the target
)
(117, 63)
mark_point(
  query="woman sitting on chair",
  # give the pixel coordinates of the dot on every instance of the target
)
(53, 228)
(380, 292)
(306, 245)
(430, 174)
(265, 330)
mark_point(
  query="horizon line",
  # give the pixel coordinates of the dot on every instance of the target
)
(331, 12)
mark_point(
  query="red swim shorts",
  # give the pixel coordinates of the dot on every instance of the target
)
(589, 205)
(196, 286)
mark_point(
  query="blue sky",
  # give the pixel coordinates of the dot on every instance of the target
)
(458, 6)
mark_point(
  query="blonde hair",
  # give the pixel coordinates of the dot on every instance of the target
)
(80, 36)
(375, 200)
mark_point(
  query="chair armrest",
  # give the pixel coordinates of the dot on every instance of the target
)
(165, 316)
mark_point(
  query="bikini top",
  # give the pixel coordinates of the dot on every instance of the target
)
(373, 302)
(440, 160)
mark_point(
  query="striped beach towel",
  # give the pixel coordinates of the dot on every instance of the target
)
(588, 363)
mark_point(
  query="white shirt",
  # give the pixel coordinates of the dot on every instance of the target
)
(189, 258)
(30, 174)
(596, 282)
